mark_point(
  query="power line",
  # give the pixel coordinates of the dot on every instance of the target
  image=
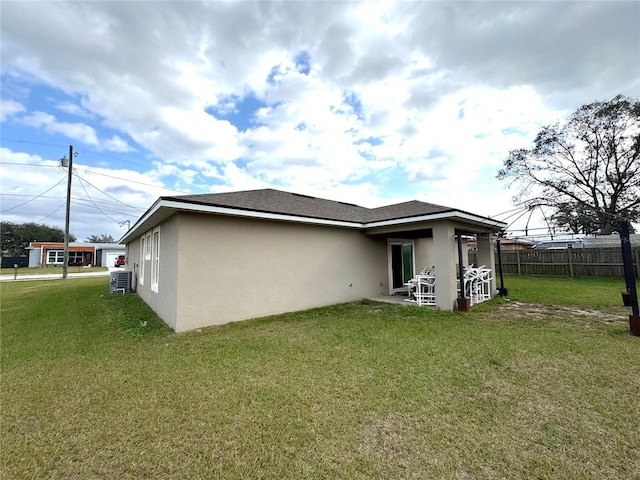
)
(26, 195)
(37, 196)
(133, 181)
(51, 214)
(105, 193)
(91, 152)
(83, 202)
(4, 139)
(29, 164)
(94, 203)
(114, 158)
(76, 200)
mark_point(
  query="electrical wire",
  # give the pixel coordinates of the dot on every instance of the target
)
(4, 139)
(25, 195)
(133, 181)
(88, 171)
(84, 202)
(52, 213)
(114, 158)
(94, 203)
(105, 193)
(29, 164)
(34, 198)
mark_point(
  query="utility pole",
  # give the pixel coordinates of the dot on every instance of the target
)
(65, 265)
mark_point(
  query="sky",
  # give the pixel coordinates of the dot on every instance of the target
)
(369, 103)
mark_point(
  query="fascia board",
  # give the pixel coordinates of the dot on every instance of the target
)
(190, 207)
(262, 215)
(439, 216)
(133, 231)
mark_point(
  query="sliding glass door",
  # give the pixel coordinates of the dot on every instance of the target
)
(401, 261)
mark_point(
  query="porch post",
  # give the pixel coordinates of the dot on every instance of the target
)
(445, 265)
(486, 256)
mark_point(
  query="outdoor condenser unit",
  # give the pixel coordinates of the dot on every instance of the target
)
(120, 282)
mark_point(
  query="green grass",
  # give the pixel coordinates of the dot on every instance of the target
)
(93, 386)
(584, 292)
(51, 270)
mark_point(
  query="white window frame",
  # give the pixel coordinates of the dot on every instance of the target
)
(147, 255)
(142, 257)
(75, 255)
(58, 257)
(155, 259)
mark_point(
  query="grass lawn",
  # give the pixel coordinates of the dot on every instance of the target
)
(51, 270)
(93, 386)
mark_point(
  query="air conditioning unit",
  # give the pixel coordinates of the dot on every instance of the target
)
(120, 282)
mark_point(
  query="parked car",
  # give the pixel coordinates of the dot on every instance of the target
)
(120, 261)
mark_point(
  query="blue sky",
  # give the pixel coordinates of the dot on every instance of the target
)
(368, 103)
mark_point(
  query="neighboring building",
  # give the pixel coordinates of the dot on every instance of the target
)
(82, 254)
(609, 241)
(559, 244)
(509, 244)
(201, 260)
(107, 253)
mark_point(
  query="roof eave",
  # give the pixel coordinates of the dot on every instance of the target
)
(452, 214)
(164, 204)
(153, 216)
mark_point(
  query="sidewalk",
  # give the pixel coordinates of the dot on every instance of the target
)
(55, 276)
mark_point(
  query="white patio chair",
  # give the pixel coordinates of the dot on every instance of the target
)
(422, 287)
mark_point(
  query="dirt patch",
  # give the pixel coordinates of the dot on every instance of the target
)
(539, 311)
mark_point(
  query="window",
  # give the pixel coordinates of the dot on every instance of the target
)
(55, 256)
(155, 262)
(147, 254)
(142, 255)
(75, 258)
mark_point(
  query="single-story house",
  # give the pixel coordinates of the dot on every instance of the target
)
(52, 253)
(201, 260)
(510, 244)
(107, 253)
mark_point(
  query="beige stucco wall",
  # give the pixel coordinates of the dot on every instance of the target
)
(234, 269)
(424, 254)
(164, 301)
(218, 269)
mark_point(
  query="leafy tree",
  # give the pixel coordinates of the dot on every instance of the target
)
(587, 169)
(575, 218)
(17, 236)
(101, 238)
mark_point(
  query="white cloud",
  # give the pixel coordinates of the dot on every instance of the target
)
(74, 109)
(46, 121)
(9, 108)
(117, 144)
(34, 190)
(423, 97)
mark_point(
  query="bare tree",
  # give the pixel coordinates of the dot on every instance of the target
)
(587, 169)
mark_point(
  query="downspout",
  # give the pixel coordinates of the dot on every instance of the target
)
(503, 291)
(460, 265)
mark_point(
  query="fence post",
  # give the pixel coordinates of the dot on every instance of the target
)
(570, 257)
(636, 251)
(518, 260)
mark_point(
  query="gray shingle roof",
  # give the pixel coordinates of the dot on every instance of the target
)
(286, 203)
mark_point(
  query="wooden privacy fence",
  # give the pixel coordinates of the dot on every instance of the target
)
(570, 262)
